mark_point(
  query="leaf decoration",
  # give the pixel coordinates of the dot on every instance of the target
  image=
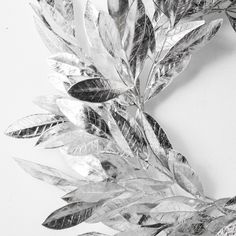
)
(118, 11)
(131, 136)
(87, 166)
(139, 37)
(184, 174)
(89, 146)
(178, 57)
(175, 11)
(48, 103)
(70, 215)
(94, 192)
(156, 137)
(231, 204)
(84, 117)
(97, 90)
(50, 175)
(34, 125)
(61, 135)
(113, 206)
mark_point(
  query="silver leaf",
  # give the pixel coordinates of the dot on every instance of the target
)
(70, 215)
(97, 90)
(84, 117)
(34, 125)
(94, 192)
(184, 174)
(51, 175)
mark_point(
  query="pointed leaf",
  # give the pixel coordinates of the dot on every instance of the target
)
(94, 192)
(48, 103)
(84, 117)
(33, 126)
(118, 9)
(70, 215)
(97, 90)
(139, 37)
(184, 174)
(87, 166)
(50, 175)
(178, 57)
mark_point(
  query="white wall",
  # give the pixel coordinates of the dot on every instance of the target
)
(198, 111)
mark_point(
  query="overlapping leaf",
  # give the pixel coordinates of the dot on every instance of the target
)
(178, 57)
(34, 125)
(50, 175)
(70, 215)
(97, 90)
(84, 117)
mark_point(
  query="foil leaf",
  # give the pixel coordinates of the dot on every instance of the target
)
(118, 9)
(34, 125)
(94, 192)
(61, 135)
(156, 137)
(84, 117)
(97, 90)
(70, 215)
(86, 146)
(139, 37)
(174, 10)
(113, 206)
(50, 175)
(87, 166)
(48, 103)
(178, 57)
(184, 174)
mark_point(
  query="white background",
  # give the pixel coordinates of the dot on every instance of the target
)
(198, 111)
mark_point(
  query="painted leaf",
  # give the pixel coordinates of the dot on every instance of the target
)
(33, 126)
(184, 174)
(156, 137)
(94, 192)
(70, 215)
(178, 57)
(118, 9)
(139, 37)
(48, 103)
(174, 10)
(87, 166)
(97, 90)
(50, 175)
(84, 117)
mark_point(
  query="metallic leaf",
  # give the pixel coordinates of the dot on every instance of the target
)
(156, 137)
(184, 174)
(139, 37)
(118, 9)
(97, 90)
(178, 57)
(61, 135)
(34, 125)
(50, 175)
(84, 117)
(94, 192)
(70, 215)
(48, 103)
(87, 166)
(174, 10)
